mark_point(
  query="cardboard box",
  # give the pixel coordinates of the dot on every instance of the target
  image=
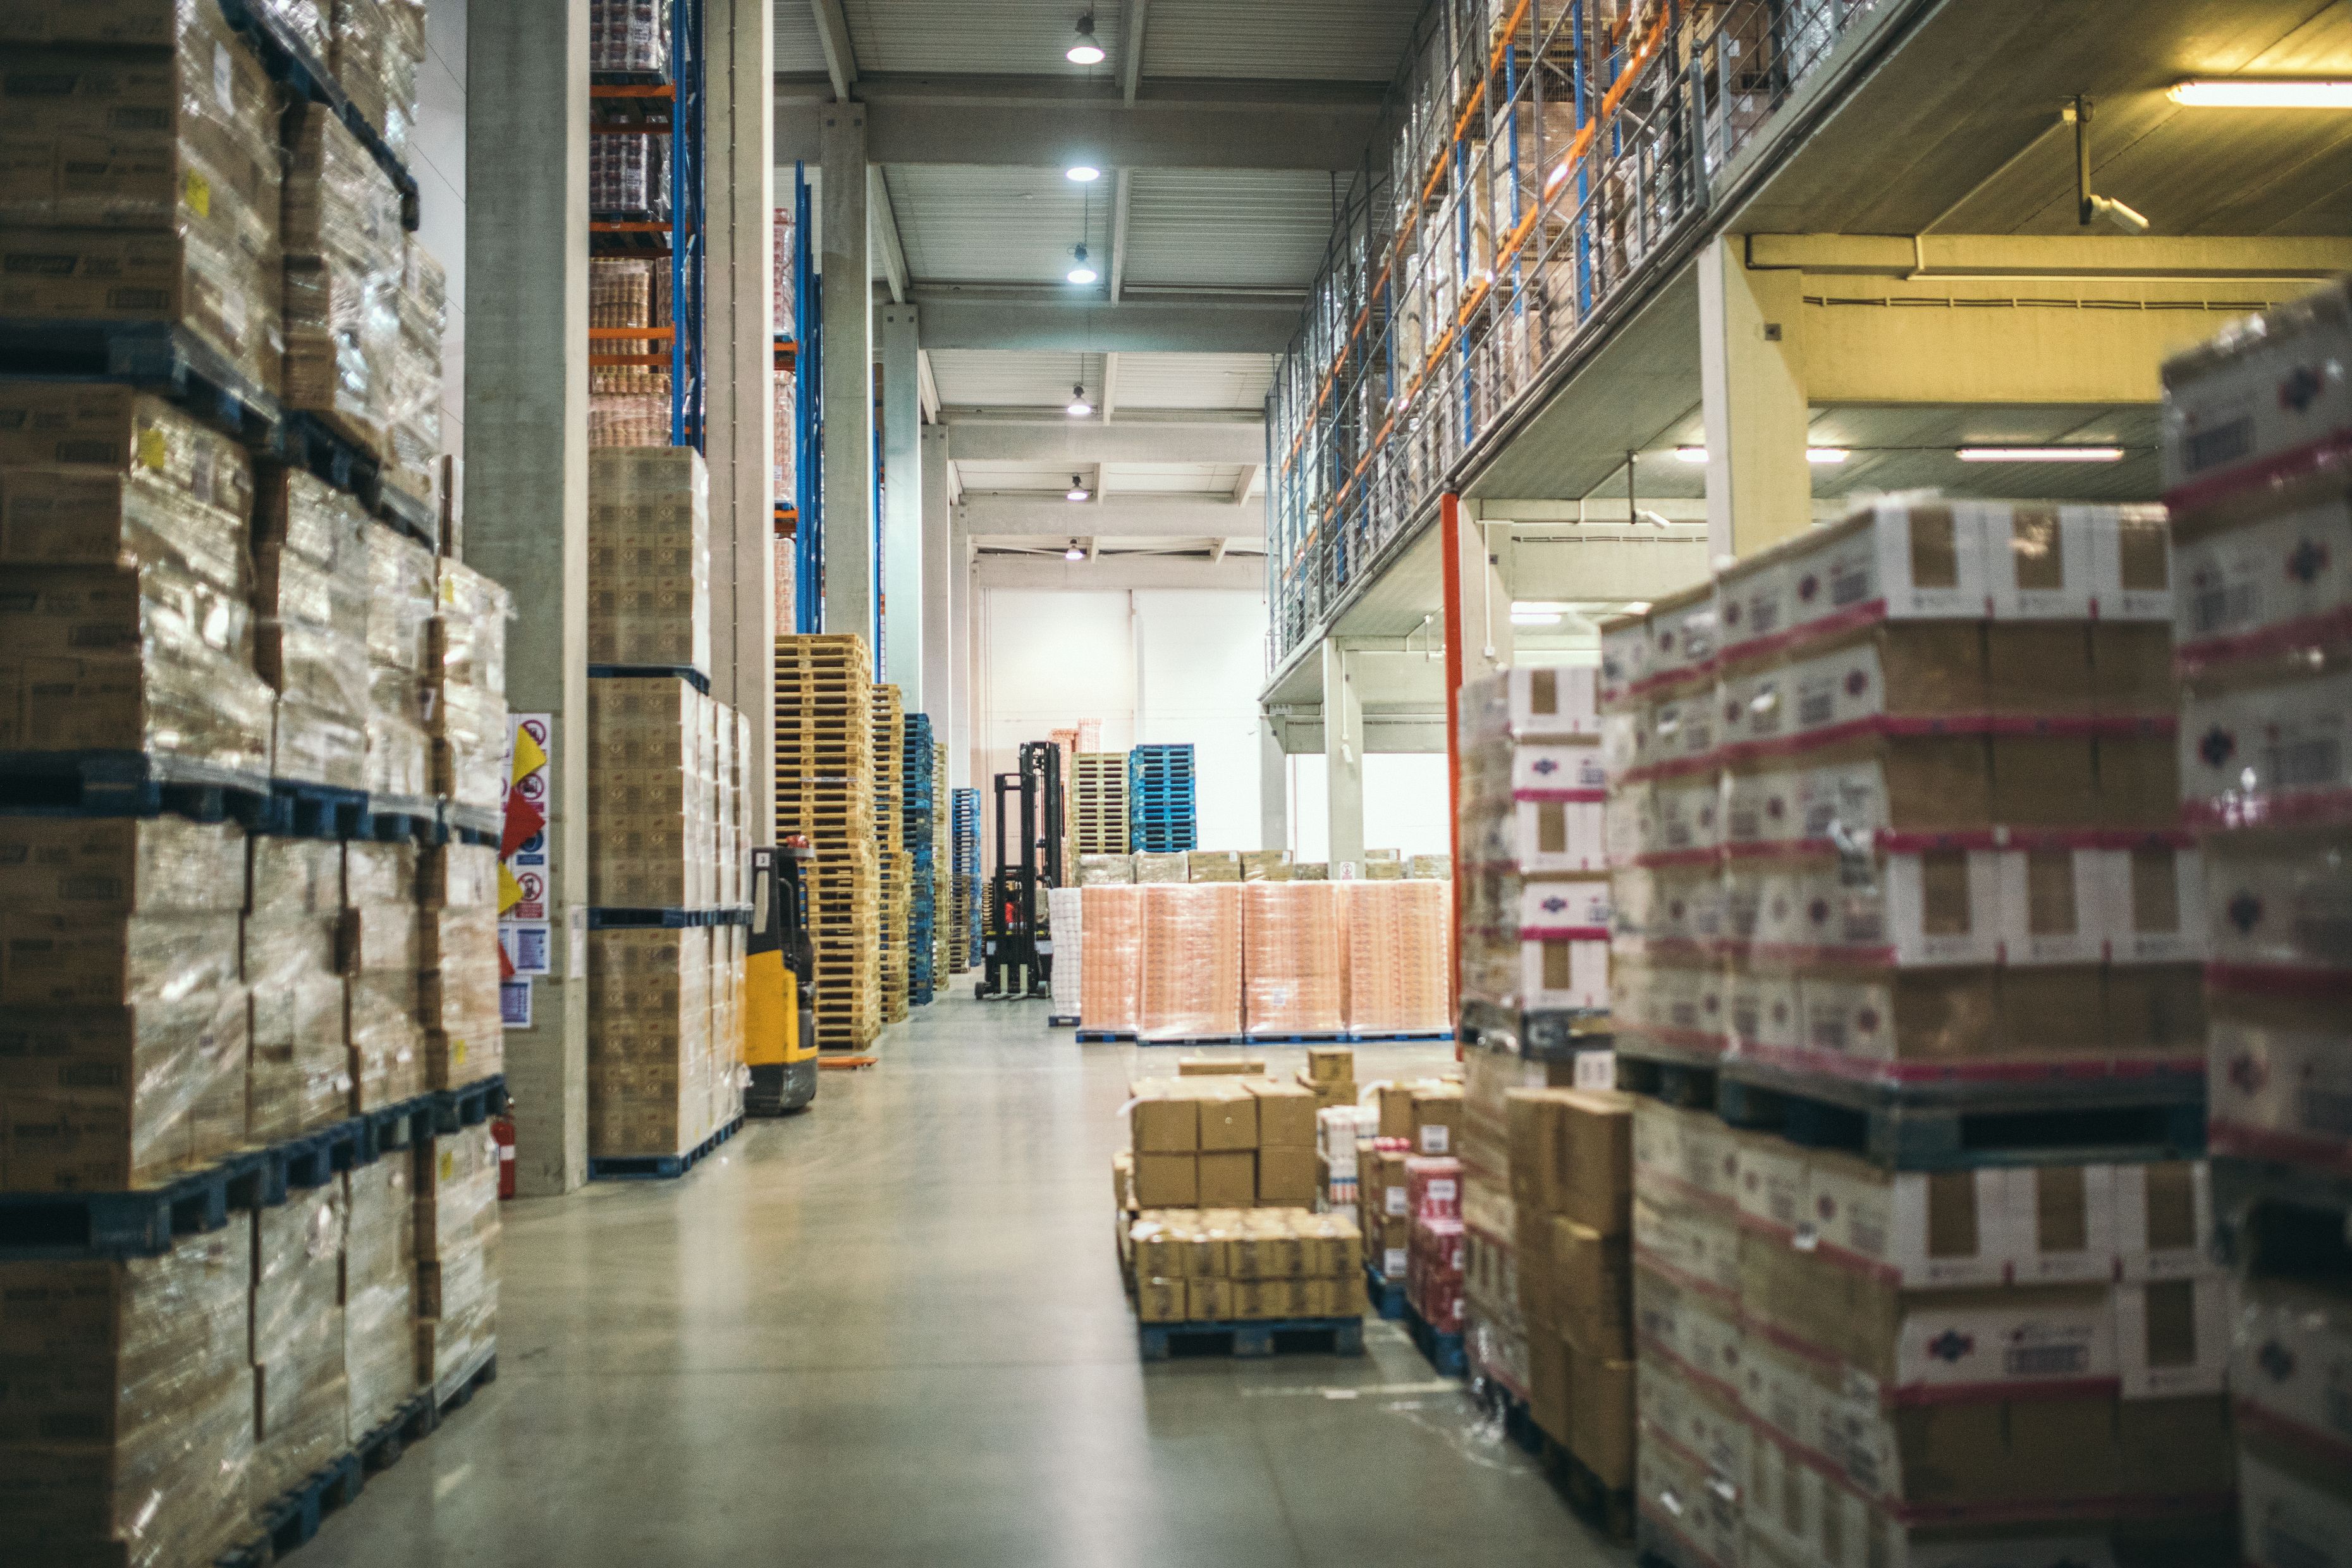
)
(1286, 1176)
(2041, 561)
(1331, 1064)
(1166, 1181)
(1572, 1154)
(1218, 1067)
(2054, 905)
(2292, 1361)
(1228, 1115)
(2131, 564)
(1161, 1300)
(2164, 1220)
(1395, 1102)
(2172, 1336)
(2245, 587)
(1286, 1114)
(1163, 1120)
(2236, 403)
(1208, 1300)
(2289, 1511)
(1437, 1119)
(1228, 1179)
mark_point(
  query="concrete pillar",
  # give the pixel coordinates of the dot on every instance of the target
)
(848, 389)
(1343, 756)
(1752, 398)
(939, 569)
(527, 491)
(738, 335)
(1273, 785)
(964, 663)
(902, 510)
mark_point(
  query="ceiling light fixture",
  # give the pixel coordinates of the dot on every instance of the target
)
(1691, 454)
(1081, 272)
(1079, 407)
(1084, 174)
(2255, 92)
(1535, 618)
(1826, 454)
(1075, 553)
(1085, 51)
(2041, 454)
(1077, 490)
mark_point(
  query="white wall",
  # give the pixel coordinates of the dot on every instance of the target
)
(1405, 805)
(1159, 666)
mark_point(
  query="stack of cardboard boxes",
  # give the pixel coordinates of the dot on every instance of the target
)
(1571, 1191)
(1292, 982)
(345, 263)
(458, 1231)
(1496, 1327)
(312, 584)
(380, 947)
(2256, 428)
(465, 1037)
(1237, 1265)
(301, 1070)
(1190, 986)
(1221, 1142)
(1412, 1118)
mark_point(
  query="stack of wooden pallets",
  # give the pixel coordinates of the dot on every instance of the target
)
(1100, 794)
(889, 749)
(824, 791)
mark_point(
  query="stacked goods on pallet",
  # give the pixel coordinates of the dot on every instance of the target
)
(963, 881)
(1337, 1130)
(379, 1290)
(1243, 1265)
(380, 947)
(1571, 1183)
(628, 405)
(465, 1036)
(299, 1072)
(918, 797)
(889, 849)
(379, 46)
(649, 559)
(1398, 957)
(1106, 870)
(1161, 866)
(467, 667)
(1495, 1329)
(653, 785)
(1437, 1245)
(1221, 1141)
(1411, 1120)
(1265, 865)
(1098, 794)
(128, 623)
(1190, 982)
(403, 583)
(139, 1447)
(628, 178)
(825, 793)
(457, 1258)
(412, 455)
(1066, 917)
(1160, 798)
(1292, 978)
(125, 1055)
(302, 1398)
(1535, 895)
(345, 265)
(145, 184)
(1213, 866)
(310, 641)
(1110, 964)
(2257, 431)
(650, 1047)
(1331, 1075)
(785, 475)
(631, 35)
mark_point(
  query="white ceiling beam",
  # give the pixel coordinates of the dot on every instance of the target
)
(927, 384)
(1216, 551)
(1122, 188)
(1131, 49)
(832, 35)
(1110, 369)
(1029, 515)
(1242, 485)
(1092, 548)
(884, 223)
(1004, 316)
(1111, 573)
(1060, 439)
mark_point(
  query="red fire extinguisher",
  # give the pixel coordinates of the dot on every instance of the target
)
(502, 1133)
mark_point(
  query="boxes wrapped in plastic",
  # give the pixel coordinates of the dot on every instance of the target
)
(413, 380)
(301, 1402)
(1191, 984)
(127, 1427)
(458, 996)
(650, 1056)
(379, 1290)
(469, 746)
(457, 1256)
(621, 297)
(102, 427)
(458, 876)
(1110, 964)
(650, 787)
(1106, 870)
(344, 255)
(404, 585)
(634, 420)
(311, 594)
(380, 947)
(1292, 978)
(1171, 867)
(628, 36)
(467, 640)
(649, 557)
(1399, 959)
(378, 46)
(627, 176)
(301, 1076)
(1067, 923)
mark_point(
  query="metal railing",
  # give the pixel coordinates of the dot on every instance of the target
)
(1536, 157)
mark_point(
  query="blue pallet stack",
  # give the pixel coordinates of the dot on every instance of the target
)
(917, 802)
(963, 871)
(1160, 799)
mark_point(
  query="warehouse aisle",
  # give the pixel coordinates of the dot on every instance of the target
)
(892, 1334)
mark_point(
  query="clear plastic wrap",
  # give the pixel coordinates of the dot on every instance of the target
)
(1111, 963)
(1066, 919)
(458, 996)
(1400, 956)
(1292, 978)
(413, 380)
(377, 47)
(302, 1414)
(628, 176)
(344, 258)
(632, 421)
(403, 584)
(457, 1256)
(1213, 866)
(469, 746)
(649, 788)
(103, 427)
(380, 1290)
(649, 1050)
(311, 592)
(134, 1384)
(380, 946)
(457, 876)
(1106, 870)
(300, 1067)
(53, 960)
(1191, 984)
(621, 297)
(102, 1099)
(470, 632)
(100, 866)
(1169, 867)
(628, 36)
(649, 558)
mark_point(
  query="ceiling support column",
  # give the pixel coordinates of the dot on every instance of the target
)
(1343, 756)
(850, 567)
(903, 497)
(1752, 399)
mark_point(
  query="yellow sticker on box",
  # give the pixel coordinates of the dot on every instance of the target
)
(152, 453)
(200, 195)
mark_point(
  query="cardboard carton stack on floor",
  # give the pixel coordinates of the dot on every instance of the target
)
(1571, 1185)
(457, 1232)
(404, 587)
(1191, 983)
(1410, 1119)
(467, 667)
(1496, 1330)
(379, 1290)
(2257, 425)
(464, 1036)
(1399, 957)
(1221, 1142)
(1111, 959)
(301, 1394)
(1330, 1073)
(1245, 1265)
(1292, 982)
(345, 261)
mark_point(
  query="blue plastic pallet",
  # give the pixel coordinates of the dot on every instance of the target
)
(1377, 1038)
(1102, 1036)
(658, 1167)
(129, 784)
(615, 919)
(1445, 1351)
(1385, 1296)
(1338, 1336)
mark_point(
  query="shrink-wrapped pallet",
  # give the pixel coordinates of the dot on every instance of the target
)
(122, 1011)
(402, 579)
(1400, 956)
(650, 783)
(302, 1412)
(1191, 970)
(1293, 981)
(457, 996)
(412, 415)
(621, 297)
(379, 946)
(345, 252)
(132, 1403)
(311, 643)
(456, 1257)
(1106, 870)
(1166, 866)
(649, 558)
(300, 1075)
(467, 662)
(380, 1289)
(628, 36)
(1066, 908)
(649, 1049)
(1110, 971)
(378, 46)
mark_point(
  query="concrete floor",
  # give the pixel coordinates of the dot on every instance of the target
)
(891, 1332)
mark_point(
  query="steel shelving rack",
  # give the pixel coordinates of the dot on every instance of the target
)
(808, 420)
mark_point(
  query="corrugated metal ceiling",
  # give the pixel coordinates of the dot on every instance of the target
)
(992, 477)
(798, 50)
(1019, 37)
(1327, 40)
(1249, 229)
(994, 225)
(1193, 381)
(990, 378)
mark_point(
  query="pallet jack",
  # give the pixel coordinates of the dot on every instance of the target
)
(1017, 947)
(779, 984)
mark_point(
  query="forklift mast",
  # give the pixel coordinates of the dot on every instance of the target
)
(1018, 949)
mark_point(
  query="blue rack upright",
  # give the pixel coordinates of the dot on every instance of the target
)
(1160, 799)
(917, 800)
(964, 866)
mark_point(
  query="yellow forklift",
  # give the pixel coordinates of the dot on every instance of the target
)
(779, 979)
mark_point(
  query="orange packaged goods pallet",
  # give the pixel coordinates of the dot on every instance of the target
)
(1399, 957)
(1294, 975)
(1192, 981)
(1109, 959)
